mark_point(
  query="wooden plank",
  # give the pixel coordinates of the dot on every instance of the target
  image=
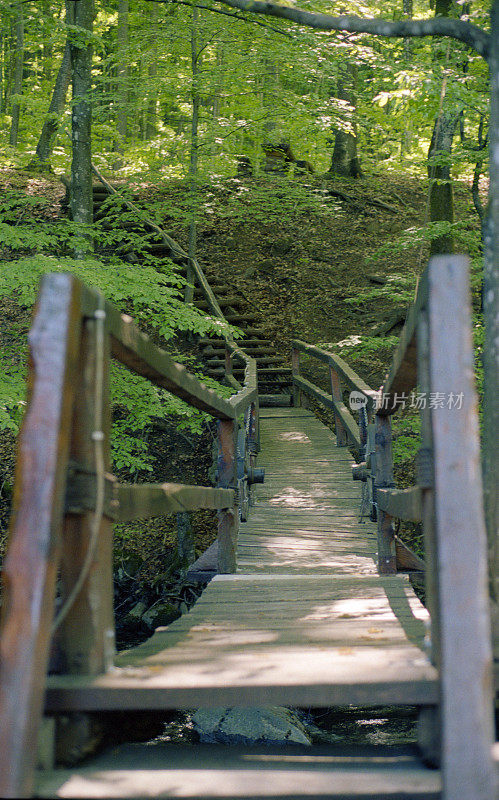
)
(294, 675)
(466, 658)
(199, 772)
(136, 501)
(401, 503)
(30, 567)
(134, 349)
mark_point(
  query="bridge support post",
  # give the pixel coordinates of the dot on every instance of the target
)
(341, 434)
(387, 560)
(295, 369)
(228, 518)
(461, 544)
(85, 639)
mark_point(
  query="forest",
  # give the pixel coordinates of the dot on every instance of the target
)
(310, 156)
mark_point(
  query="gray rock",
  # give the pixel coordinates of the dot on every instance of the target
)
(268, 725)
(134, 616)
(160, 614)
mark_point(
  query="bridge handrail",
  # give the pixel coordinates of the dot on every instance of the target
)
(65, 500)
(346, 426)
(435, 353)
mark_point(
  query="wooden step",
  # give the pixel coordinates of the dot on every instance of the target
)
(275, 400)
(223, 302)
(263, 375)
(275, 384)
(268, 638)
(252, 351)
(218, 342)
(202, 772)
(237, 319)
(219, 362)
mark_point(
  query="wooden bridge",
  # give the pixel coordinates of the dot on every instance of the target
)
(310, 607)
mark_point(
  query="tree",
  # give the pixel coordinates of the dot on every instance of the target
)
(18, 73)
(81, 165)
(51, 125)
(345, 160)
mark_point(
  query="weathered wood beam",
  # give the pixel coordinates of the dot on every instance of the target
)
(465, 640)
(134, 349)
(30, 567)
(401, 503)
(154, 500)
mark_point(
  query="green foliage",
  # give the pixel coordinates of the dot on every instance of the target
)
(12, 395)
(406, 426)
(358, 347)
(399, 289)
(137, 404)
(151, 292)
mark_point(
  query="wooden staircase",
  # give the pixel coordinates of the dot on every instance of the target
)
(274, 374)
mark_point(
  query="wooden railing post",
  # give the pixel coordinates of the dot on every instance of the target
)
(341, 434)
(425, 480)
(295, 371)
(185, 539)
(85, 637)
(228, 361)
(30, 567)
(228, 518)
(387, 563)
(465, 637)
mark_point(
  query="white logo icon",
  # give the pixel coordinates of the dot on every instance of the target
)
(357, 400)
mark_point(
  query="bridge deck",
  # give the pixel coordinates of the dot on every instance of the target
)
(305, 621)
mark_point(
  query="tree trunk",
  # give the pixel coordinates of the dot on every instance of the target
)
(345, 159)
(441, 193)
(193, 163)
(152, 69)
(81, 165)
(407, 8)
(47, 46)
(51, 125)
(122, 77)
(17, 86)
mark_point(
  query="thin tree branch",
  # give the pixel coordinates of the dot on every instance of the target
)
(226, 14)
(474, 37)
